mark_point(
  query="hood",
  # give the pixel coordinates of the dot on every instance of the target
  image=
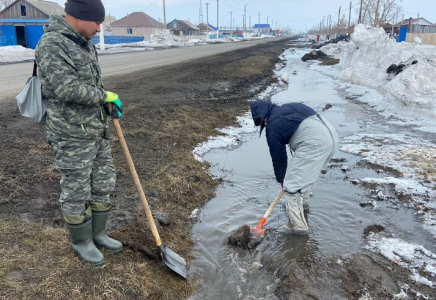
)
(60, 25)
(260, 111)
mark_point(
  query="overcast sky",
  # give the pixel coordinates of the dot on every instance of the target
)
(297, 14)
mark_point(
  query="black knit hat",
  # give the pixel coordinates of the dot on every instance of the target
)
(86, 10)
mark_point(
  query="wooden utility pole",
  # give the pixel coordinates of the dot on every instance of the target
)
(339, 17)
(231, 18)
(258, 28)
(360, 12)
(349, 18)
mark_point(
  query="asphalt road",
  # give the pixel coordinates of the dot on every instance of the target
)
(14, 76)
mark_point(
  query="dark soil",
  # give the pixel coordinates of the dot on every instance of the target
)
(168, 111)
(374, 228)
(244, 238)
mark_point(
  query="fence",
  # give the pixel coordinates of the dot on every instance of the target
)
(117, 39)
(422, 29)
(428, 38)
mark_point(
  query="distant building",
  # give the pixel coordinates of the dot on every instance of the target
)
(22, 22)
(137, 23)
(262, 28)
(182, 27)
(108, 20)
(415, 25)
(412, 21)
(204, 28)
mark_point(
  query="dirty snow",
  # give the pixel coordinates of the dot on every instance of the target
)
(420, 261)
(231, 136)
(9, 54)
(413, 158)
(365, 59)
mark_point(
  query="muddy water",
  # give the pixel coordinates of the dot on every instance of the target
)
(336, 219)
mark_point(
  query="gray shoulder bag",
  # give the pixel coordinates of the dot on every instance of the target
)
(30, 100)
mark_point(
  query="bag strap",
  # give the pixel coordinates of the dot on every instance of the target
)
(35, 69)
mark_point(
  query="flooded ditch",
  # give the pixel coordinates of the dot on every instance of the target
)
(340, 209)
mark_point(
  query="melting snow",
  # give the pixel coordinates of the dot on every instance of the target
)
(417, 259)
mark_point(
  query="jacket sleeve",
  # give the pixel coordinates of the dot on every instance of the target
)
(277, 149)
(58, 68)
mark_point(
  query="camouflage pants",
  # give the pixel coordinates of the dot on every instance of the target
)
(88, 177)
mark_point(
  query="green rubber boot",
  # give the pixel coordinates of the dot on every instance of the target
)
(81, 236)
(99, 233)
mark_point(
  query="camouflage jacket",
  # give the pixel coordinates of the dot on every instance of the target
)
(71, 82)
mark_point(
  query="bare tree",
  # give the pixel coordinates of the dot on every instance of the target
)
(380, 12)
(4, 3)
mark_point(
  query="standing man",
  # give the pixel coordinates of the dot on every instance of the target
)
(312, 141)
(77, 125)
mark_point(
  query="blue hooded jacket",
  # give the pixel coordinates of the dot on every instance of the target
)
(281, 122)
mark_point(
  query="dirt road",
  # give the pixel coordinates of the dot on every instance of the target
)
(13, 76)
(168, 111)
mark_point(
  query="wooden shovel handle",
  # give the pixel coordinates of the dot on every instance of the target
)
(270, 209)
(136, 181)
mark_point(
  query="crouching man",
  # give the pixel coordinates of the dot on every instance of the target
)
(312, 141)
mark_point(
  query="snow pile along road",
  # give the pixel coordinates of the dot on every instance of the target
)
(9, 54)
(366, 58)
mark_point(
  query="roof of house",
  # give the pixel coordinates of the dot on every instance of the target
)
(412, 21)
(203, 26)
(189, 24)
(47, 7)
(137, 19)
(260, 26)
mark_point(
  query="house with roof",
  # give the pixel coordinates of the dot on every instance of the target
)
(414, 21)
(22, 21)
(262, 28)
(182, 27)
(108, 20)
(137, 24)
(204, 28)
(416, 25)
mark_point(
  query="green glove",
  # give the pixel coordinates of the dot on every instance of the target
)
(117, 107)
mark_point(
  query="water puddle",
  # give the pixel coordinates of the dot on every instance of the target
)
(337, 215)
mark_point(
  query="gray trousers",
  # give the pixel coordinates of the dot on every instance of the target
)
(313, 144)
(88, 177)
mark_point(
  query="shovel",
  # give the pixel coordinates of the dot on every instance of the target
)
(171, 259)
(258, 231)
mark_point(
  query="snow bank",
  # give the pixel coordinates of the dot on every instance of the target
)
(420, 261)
(231, 137)
(413, 158)
(365, 59)
(15, 53)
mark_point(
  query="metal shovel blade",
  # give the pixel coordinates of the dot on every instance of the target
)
(173, 261)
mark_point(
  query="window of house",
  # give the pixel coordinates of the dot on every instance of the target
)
(23, 10)
(129, 31)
